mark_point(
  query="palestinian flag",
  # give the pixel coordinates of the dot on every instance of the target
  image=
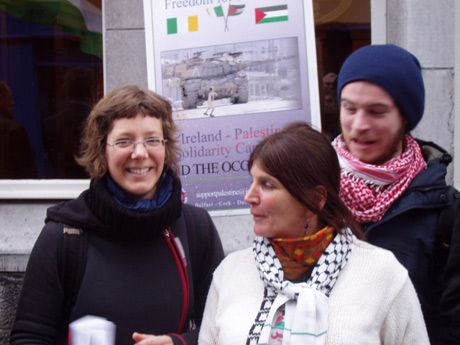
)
(182, 25)
(272, 14)
(234, 10)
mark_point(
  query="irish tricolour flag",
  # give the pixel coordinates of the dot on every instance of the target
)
(271, 14)
(181, 25)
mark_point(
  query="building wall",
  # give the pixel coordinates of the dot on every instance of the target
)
(456, 139)
(425, 27)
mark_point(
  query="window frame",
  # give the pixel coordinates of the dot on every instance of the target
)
(42, 189)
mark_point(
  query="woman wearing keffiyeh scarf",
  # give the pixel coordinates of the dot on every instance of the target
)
(307, 279)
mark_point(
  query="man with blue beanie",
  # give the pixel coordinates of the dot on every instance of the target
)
(395, 185)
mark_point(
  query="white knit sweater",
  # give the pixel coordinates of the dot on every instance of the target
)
(373, 301)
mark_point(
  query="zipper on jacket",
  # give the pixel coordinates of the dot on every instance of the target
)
(181, 263)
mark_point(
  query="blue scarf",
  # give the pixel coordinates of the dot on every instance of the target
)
(164, 192)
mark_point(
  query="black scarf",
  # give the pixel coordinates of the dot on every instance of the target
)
(122, 221)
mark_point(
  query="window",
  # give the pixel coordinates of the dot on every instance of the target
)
(341, 27)
(50, 76)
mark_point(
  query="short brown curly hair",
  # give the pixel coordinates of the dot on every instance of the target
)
(124, 102)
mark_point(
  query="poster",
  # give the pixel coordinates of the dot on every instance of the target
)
(235, 72)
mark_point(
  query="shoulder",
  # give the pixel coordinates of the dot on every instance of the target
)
(197, 220)
(437, 160)
(194, 211)
(52, 239)
(75, 212)
(241, 260)
(434, 152)
(51, 232)
(196, 227)
(364, 250)
(375, 262)
(46, 247)
(371, 270)
(240, 255)
(240, 268)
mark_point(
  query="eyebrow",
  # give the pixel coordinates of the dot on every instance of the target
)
(146, 134)
(367, 105)
(267, 177)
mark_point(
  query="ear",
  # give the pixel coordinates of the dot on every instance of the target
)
(405, 125)
(321, 194)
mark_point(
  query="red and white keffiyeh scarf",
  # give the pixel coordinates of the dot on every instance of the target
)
(369, 190)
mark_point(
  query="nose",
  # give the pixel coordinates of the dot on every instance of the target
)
(360, 121)
(139, 151)
(251, 195)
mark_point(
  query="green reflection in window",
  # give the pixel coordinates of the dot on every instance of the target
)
(51, 63)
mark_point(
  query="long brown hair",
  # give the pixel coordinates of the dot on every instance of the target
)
(124, 102)
(303, 159)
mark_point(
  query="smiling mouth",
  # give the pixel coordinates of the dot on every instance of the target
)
(138, 171)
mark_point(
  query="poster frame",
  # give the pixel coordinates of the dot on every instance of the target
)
(310, 45)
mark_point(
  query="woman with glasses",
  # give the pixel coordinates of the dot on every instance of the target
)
(147, 258)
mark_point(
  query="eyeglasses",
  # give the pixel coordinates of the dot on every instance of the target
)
(149, 143)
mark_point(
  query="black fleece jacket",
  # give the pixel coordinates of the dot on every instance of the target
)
(131, 278)
(410, 229)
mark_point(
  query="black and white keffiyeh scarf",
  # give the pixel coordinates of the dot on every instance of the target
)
(306, 303)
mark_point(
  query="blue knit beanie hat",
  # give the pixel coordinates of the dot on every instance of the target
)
(392, 68)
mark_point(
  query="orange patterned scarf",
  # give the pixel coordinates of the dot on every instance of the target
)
(299, 255)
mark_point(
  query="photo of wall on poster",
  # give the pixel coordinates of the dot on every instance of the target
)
(234, 72)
